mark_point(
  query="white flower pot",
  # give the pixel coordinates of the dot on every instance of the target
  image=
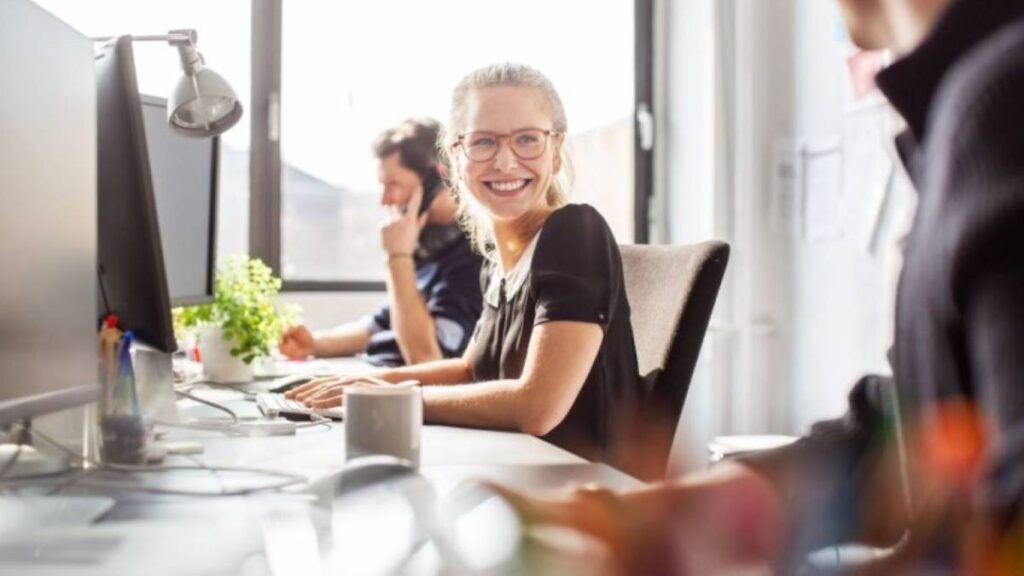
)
(218, 363)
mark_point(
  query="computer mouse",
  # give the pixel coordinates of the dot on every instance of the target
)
(372, 470)
(286, 383)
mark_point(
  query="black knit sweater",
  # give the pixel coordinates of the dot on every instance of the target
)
(959, 331)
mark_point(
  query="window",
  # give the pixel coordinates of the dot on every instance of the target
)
(223, 29)
(350, 70)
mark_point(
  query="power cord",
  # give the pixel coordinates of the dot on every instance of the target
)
(211, 404)
(227, 428)
(239, 389)
(9, 464)
(287, 479)
(316, 420)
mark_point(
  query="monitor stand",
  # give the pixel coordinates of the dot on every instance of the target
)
(30, 462)
(154, 381)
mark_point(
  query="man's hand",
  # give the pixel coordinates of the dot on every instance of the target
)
(297, 343)
(400, 235)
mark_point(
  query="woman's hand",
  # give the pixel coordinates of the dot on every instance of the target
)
(329, 391)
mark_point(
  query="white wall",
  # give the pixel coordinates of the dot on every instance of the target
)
(797, 321)
(328, 309)
(840, 290)
(686, 174)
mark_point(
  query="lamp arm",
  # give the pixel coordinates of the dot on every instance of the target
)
(174, 37)
(184, 40)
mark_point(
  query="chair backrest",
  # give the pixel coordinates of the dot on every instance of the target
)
(671, 292)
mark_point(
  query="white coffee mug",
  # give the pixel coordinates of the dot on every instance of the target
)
(384, 420)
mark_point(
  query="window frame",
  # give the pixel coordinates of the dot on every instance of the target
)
(265, 147)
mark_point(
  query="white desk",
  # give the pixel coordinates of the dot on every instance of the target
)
(319, 449)
(278, 532)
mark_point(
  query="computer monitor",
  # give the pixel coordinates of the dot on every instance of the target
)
(185, 184)
(132, 281)
(47, 214)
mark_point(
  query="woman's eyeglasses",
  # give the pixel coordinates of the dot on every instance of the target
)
(526, 144)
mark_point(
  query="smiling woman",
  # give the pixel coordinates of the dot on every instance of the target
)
(387, 60)
(553, 352)
(497, 185)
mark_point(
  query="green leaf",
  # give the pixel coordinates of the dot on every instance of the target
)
(243, 305)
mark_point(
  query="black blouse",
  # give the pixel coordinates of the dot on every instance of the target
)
(575, 274)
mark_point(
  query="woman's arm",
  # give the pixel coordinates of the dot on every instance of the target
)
(327, 392)
(558, 359)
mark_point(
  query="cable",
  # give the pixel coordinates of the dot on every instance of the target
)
(9, 465)
(114, 485)
(317, 420)
(236, 388)
(67, 484)
(225, 428)
(129, 487)
(214, 473)
(103, 292)
(287, 479)
(159, 468)
(194, 398)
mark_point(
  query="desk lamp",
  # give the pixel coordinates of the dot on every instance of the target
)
(202, 103)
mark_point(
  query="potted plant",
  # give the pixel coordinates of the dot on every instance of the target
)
(241, 324)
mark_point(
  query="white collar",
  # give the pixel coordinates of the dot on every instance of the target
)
(514, 279)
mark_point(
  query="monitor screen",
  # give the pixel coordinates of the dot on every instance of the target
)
(132, 280)
(185, 185)
(47, 214)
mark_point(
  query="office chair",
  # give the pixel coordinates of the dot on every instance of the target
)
(671, 292)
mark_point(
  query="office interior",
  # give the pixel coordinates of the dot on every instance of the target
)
(695, 120)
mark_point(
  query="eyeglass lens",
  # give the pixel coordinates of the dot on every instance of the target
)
(526, 144)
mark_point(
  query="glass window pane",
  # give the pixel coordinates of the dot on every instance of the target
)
(224, 30)
(352, 69)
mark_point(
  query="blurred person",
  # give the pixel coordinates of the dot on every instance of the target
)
(553, 352)
(433, 273)
(931, 459)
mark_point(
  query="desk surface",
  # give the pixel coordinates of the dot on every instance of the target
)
(279, 532)
(317, 449)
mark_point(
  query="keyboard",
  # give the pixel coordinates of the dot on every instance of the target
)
(273, 405)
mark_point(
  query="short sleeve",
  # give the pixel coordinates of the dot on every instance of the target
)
(576, 274)
(379, 320)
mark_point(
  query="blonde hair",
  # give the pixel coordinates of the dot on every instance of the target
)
(470, 215)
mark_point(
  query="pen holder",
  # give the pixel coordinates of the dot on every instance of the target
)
(122, 426)
(124, 439)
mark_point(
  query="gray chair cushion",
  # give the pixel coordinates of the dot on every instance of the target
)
(671, 292)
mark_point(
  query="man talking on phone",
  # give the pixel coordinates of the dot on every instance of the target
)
(433, 282)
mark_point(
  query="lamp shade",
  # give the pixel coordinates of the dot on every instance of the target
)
(203, 104)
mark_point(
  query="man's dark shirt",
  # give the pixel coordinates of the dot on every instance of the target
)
(959, 327)
(450, 284)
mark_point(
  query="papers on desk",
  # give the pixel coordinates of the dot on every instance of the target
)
(279, 368)
(272, 368)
